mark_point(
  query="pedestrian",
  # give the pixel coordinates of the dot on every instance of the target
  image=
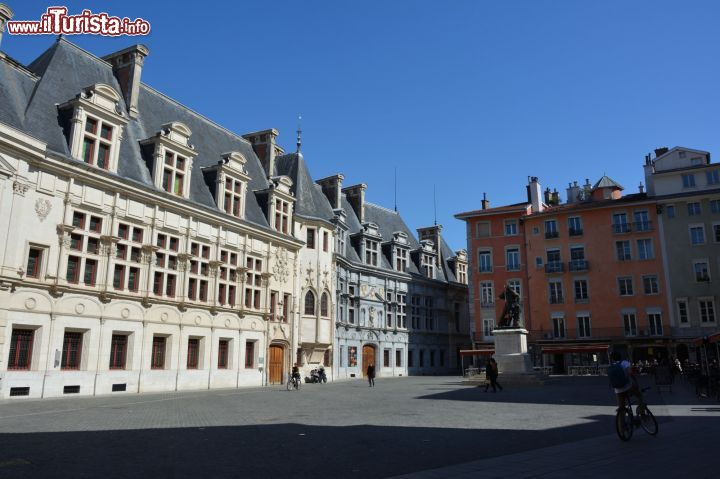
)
(491, 374)
(371, 375)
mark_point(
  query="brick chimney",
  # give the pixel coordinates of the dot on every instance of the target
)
(356, 197)
(332, 188)
(127, 67)
(661, 151)
(431, 233)
(266, 148)
(534, 191)
(5, 15)
(485, 202)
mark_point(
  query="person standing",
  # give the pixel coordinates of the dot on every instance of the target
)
(491, 373)
(371, 375)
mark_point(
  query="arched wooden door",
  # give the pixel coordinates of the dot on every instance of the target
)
(276, 364)
(368, 358)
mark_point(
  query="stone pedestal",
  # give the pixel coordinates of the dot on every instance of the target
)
(511, 351)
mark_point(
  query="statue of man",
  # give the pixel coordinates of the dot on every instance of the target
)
(510, 317)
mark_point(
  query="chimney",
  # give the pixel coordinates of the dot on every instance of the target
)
(127, 67)
(547, 197)
(332, 188)
(573, 191)
(661, 151)
(431, 233)
(485, 202)
(534, 194)
(641, 188)
(265, 146)
(555, 197)
(356, 197)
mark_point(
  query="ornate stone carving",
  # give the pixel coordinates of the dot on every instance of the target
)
(280, 268)
(42, 208)
(182, 261)
(20, 188)
(214, 265)
(148, 253)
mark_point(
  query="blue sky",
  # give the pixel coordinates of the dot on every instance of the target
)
(469, 96)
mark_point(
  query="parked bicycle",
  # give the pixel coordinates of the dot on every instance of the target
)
(626, 421)
(293, 382)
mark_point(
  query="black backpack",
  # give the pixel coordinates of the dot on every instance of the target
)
(618, 378)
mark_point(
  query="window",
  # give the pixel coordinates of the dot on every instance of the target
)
(97, 143)
(456, 316)
(326, 241)
(650, 285)
(620, 223)
(583, 326)
(87, 229)
(398, 358)
(707, 310)
(702, 271)
(670, 209)
(233, 197)
(253, 283)
(428, 265)
(371, 252)
(432, 358)
(554, 261)
(223, 353)
(410, 358)
(310, 238)
(340, 241)
(556, 292)
(73, 269)
(575, 226)
(193, 353)
(118, 351)
(642, 221)
(645, 249)
(622, 249)
(324, 310)
(682, 307)
(581, 290)
(716, 233)
(309, 303)
(558, 327)
(511, 228)
(34, 262)
(249, 354)
(133, 279)
(227, 276)
(400, 311)
(21, 343)
(715, 206)
(625, 286)
(630, 324)
(694, 209)
(512, 259)
(157, 360)
(386, 358)
(422, 358)
(712, 177)
(577, 259)
(697, 235)
(655, 323)
(485, 261)
(515, 286)
(688, 181)
(482, 229)
(352, 356)
(174, 171)
(551, 230)
(282, 216)
(462, 272)
(488, 327)
(72, 350)
(429, 314)
(487, 298)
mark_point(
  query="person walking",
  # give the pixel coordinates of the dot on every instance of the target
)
(491, 373)
(371, 375)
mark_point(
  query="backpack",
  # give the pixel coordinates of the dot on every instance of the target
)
(618, 378)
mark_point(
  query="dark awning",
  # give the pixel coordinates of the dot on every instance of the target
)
(713, 338)
(477, 352)
(574, 348)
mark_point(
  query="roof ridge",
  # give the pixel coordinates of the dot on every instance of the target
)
(11, 62)
(382, 208)
(61, 38)
(195, 113)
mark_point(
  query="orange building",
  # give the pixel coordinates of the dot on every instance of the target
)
(590, 273)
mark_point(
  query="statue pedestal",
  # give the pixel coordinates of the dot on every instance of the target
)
(511, 351)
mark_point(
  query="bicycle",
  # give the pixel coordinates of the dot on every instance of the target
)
(293, 383)
(626, 421)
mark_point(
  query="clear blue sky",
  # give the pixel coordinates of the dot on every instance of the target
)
(472, 96)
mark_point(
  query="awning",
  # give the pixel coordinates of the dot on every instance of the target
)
(713, 338)
(477, 352)
(574, 348)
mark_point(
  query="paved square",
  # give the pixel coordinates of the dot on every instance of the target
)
(416, 426)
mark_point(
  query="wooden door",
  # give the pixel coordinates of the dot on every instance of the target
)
(276, 365)
(368, 358)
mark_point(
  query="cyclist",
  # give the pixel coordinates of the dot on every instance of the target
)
(627, 385)
(296, 374)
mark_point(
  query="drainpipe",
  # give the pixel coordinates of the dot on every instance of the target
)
(142, 353)
(99, 350)
(48, 359)
(177, 369)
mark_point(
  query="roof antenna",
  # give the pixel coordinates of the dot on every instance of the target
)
(396, 189)
(434, 205)
(299, 133)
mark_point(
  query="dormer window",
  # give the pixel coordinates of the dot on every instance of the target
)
(228, 183)
(282, 216)
(94, 125)
(280, 202)
(173, 179)
(428, 265)
(371, 252)
(462, 273)
(169, 155)
(401, 259)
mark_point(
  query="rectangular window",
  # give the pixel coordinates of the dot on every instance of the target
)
(487, 298)
(650, 285)
(223, 353)
(697, 235)
(512, 259)
(410, 361)
(133, 279)
(73, 269)
(170, 286)
(551, 229)
(554, 261)
(556, 292)
(352, 356)
(702, 271)
(422, 358)
(253, 283)
(282, 216)
(630, 324)
(558, 328)
(401, 257)
(620, 223)
(34, 262)
(688, 181)
(371, 252)
(249, 354)
(625, 286)
(118, 351)
(716, 232)
(193, 353)
(310, 239)
(583, 326)
(485, 261)
(386, 358)
(707, 310)
(715, 206)
(287, 300)
(432, 358)
(511, 228)
(157, 360)
(682, 306)
(72, 349)
(622, 249)
(694, 208)
(398, 358)
(645, 249)
(642, 221)
(655, 324)
(482, 229)
(21, 343)
(326, 241)
(575, 226)
(488, 327)
(581, 290)
(158, 284)
(670, 210)
(712, 177)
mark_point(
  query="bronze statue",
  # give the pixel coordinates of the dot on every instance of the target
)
(510, 317)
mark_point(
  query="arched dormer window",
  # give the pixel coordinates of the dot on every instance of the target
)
(310, 303)
(169, 155)
(324, 305)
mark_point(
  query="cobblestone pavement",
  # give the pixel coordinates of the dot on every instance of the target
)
(411, 427)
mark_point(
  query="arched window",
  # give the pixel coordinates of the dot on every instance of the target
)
(310, 303)
(324, 305)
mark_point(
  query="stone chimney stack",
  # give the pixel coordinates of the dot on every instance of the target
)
(485, 202)
(127, 67)
(535, 194)
(266, 148)
(573, 190)
(431, 233)
(332, 188)
(356, 197)
(5, 15)
(661, 151)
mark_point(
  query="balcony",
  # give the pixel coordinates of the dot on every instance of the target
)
(551, 234)
(554, 267)
(512, 267)
(556, 299)
(575, 232)
(643, 226)
(621, 228)
(578, 265)
(487, 304)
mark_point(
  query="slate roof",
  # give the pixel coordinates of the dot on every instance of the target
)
(310, 201)
(16, 86)
(607, 182)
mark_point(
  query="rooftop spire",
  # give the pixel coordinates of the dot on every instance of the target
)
(299, 133)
